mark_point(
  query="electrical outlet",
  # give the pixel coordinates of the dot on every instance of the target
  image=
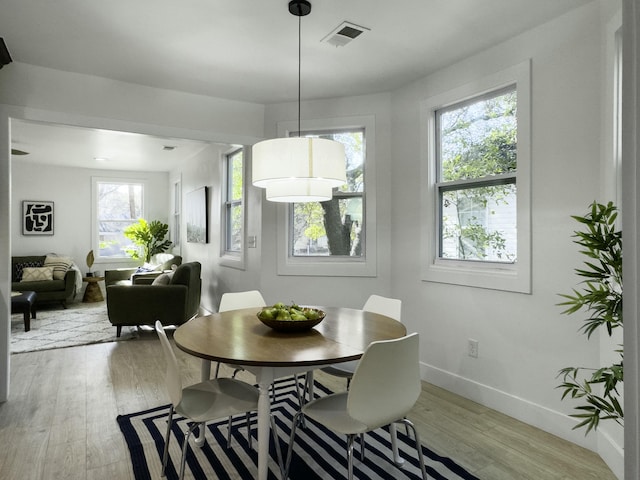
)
(472, 348)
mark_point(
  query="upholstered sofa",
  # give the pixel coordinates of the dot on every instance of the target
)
(138, 275)
(59, 288)
(173, 298)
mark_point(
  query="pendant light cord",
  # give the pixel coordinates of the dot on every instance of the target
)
(299, 63)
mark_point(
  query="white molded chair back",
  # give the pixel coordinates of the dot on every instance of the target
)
(172, 374)
(386, 383)
(391, 307)
(237, 300)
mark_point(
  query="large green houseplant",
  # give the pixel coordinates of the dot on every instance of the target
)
(601, 297)
(149, 238)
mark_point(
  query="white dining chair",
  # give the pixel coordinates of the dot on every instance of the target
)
(205, 401)
(235, 301)
(385, 387)
(247, 299)
(390, 307)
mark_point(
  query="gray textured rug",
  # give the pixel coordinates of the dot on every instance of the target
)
(55, 327)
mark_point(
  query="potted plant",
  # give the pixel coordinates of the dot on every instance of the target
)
(601, 297)
(149, 238)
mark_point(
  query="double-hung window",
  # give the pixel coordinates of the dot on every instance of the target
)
(476, 162)
(233, 204)
(333, 228)
(336, 237)
(117, 204)
(476, 205)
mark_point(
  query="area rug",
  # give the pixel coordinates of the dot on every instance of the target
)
(318, 452)
(56, 327)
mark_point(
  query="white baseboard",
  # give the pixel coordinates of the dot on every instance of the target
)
(611, 453)
(544, 418)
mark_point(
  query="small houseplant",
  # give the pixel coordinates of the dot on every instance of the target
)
(149, 238)
(601, 296)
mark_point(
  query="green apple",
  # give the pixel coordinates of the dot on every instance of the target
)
(267, 314)
(311, 314)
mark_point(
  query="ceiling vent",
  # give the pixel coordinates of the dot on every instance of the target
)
(345, 33)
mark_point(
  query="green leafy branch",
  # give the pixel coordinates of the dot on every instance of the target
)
(149, 236)
(601, 296)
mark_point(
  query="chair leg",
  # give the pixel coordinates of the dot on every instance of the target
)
(274, 432)
(165, 455)
(350, 439)
(294, 426)
(185, 447)
(302, 396)
(248, 420)
(418, 447)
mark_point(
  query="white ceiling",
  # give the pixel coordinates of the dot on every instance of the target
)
(247, 49)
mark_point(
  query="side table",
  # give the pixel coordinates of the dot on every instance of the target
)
(92, 293)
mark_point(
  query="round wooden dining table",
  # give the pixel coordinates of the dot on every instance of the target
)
(238, 337)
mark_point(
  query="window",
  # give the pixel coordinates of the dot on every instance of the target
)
(476, 171)
(476, 161)
(334, 227)
(177, 205)
(234, 193)
(118, 204)
(338, 237)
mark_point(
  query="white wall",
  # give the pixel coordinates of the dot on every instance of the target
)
(70, 190)
(523, 339)
(206, 170)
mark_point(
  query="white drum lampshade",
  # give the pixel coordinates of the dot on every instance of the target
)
(298, 169)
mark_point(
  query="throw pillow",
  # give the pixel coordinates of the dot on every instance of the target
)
(37, 274)
(162, 279)
(60, 266)
(19, 267)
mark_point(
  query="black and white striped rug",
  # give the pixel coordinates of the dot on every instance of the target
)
(318, 452)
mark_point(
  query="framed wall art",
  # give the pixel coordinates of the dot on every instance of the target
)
(197, 213)
(37, 217)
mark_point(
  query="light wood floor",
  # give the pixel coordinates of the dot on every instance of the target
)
(60, 420)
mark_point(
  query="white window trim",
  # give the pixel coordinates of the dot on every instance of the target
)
(508, 277)
(176, 214)
(230, 259)
(94, 214)
(365, 266)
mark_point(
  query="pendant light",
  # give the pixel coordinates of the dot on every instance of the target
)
(298, 169)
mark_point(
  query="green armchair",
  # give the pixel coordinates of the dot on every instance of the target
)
(172, 303)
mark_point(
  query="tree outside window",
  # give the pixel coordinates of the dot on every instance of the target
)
(119, 205)
(334, 227)
(476, 178)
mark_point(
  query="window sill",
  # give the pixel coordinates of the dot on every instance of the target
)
(505, 277)
(232, 261)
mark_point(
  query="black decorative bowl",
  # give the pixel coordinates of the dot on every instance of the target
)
(293, 325)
